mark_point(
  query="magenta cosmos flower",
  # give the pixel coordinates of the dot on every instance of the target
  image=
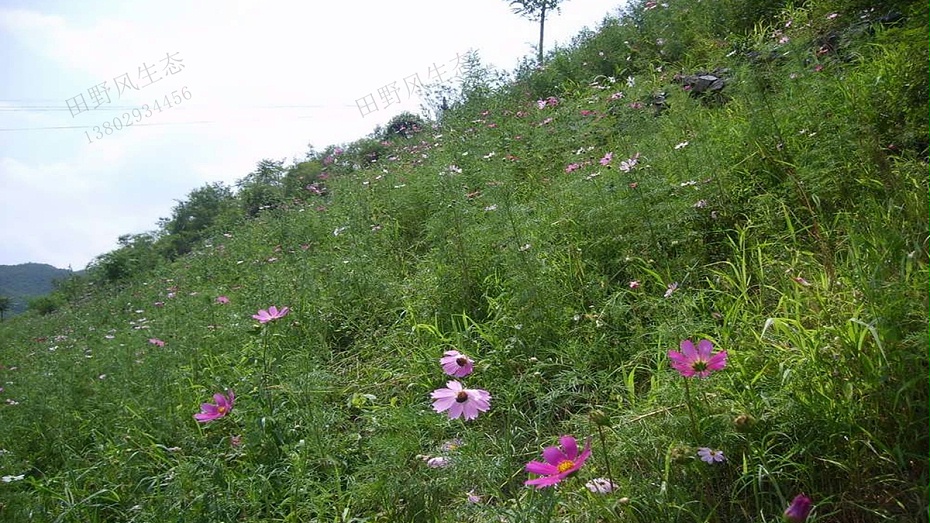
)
(272, 313)
(210, 412)
(690, 362)
(222, 300)
(560, 462)
(460, 401)
(799, 509)
(156, 341)
(454, 363)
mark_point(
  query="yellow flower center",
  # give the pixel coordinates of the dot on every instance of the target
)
(221, 409)
(565, 465)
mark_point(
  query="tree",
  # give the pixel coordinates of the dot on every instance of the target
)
(536, 10)
(136, 254)
(193, 219)
(263, 188)
(4, 306)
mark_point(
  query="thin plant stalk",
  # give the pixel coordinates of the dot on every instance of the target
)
(694, 427)
(600, 433)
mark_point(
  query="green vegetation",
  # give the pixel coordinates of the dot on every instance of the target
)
(565, 229)
(19, 284)
(4, 305)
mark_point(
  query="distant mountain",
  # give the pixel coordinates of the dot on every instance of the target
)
(27, 280)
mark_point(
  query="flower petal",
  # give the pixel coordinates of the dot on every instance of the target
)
(554, 455)
(717, 361)
(585, 453)
(456, 409)
(545, 481)
(687, 349)
(538, 467)
(444, 393)
(705, 347)
(569, 447)
(443, 404)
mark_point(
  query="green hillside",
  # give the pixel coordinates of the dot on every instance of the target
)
(22, 282)
(695, 240)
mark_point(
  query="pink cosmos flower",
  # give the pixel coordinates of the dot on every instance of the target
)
(272, 313)
(616, 96)
(222, 300)
(607, 158)
(634, 284)
(157, 342)
(560, 462)
(460, 401)
(711, 456)
(454, 363)
(210, 411)
(572, 167)
(799, 509)
(627, 165)
(690, 362)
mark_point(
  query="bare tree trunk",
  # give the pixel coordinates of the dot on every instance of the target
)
(542, 25)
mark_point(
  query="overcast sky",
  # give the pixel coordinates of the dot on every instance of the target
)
(255, 80)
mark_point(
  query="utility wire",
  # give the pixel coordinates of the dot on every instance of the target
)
(137, 124)
(117, 109)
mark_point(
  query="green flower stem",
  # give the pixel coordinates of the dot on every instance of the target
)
(694, 427)
(610, 476)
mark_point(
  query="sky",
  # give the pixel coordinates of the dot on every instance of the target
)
(111, 111)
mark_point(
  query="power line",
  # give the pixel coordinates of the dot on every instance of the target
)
(58, 127)
(118, 109)
(41, 108)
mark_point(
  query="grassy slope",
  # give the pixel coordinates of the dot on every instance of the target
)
(806, 260)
